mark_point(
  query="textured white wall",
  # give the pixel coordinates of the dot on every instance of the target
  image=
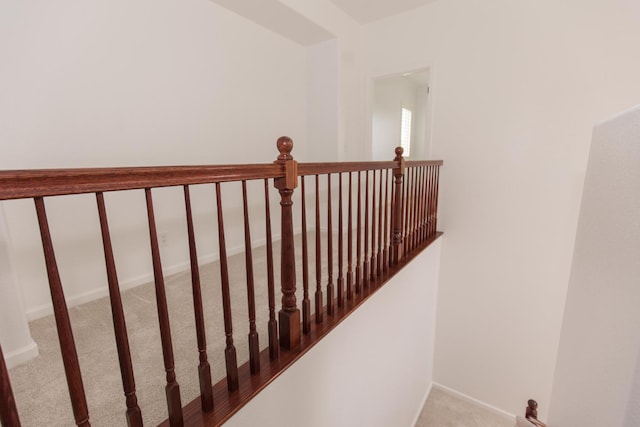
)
(517, 87)
(598, 356)
(373, 370)
(118, 83)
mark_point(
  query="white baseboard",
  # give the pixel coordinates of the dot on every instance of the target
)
(72, 301)
(424, 402)
(499, 412)
(21, 355)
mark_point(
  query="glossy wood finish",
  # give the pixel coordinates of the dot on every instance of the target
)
(172, 389)
(63, 324)
(340, 245)
(290, 330)
(372, 273)
(330, 287)
(396, 212)
(398, 172)
(306, 303)
(8, 411)
(204, 369)
(254, 343)
(133, 414)
(359, 237)
(365, 262)
(350, 273)
(230, 357)
(318, 295)
(227, 404)
(274, 345)
(56, 182)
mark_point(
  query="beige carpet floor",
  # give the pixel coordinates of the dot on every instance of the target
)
(444, 409)
(40, 387)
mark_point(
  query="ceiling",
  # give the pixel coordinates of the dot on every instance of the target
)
(365, 11)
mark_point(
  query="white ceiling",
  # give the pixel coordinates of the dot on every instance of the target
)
(365, 11)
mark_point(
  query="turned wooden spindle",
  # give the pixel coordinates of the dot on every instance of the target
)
(365, 263)
(330, 287)
(340, 245)
(306, 303)
(289, 314)
(350, 243)
(385, 252)
(398, 173)
(274, 346)
(359, 237)
(133, 414)
(254, 340)
(230, 357)
(373, 259)
(318, 294)
(204, 369)
(63, 324)
(172, 389)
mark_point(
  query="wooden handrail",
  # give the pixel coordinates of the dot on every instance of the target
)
(391, 214)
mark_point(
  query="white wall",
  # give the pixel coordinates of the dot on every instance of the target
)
(516, 89)
(117, 83)
(323, 98)
(375, 369)
(598, 355)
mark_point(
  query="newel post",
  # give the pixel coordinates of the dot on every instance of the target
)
(398, 174)
(289, 315)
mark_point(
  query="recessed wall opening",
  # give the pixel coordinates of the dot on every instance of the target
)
(400, 115)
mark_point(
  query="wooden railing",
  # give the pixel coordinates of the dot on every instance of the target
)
(387, 210)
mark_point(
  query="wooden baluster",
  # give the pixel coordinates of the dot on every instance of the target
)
(289, 314)
(133, 414)
(350, 244)
(414, 207)
(407, 210)
(380, 220)
(372, 273)
(435, 197)
(391, 218)
(359, 238)
(319, 304)
(330, 287)
(365, 264)
(8, 410)
(306, 303)
(430, 212)
(274, 347)
(385, 252)
(172, 389)
(254, 346)
(425, 205)
(398, 173)
(63, 324)
(340, 245)
(420, 215)
(230, 349)
(204, 369)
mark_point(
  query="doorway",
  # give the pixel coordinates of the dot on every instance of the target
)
(400, 115)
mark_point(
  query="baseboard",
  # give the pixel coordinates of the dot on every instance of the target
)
(424, 402)
(21, 355)
(499, 412)
(72, 301)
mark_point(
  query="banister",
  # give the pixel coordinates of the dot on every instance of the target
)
(391, 216)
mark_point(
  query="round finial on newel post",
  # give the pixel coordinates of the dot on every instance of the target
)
(399, 151)
(285, 145)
